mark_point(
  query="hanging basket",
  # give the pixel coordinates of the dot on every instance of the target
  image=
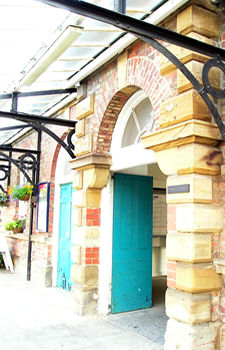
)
(25, 198)
(17, 230)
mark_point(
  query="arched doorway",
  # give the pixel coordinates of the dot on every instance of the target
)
(130, 160)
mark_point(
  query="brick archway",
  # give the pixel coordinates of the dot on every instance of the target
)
(143, 74)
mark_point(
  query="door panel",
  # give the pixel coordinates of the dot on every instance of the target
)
(132, 243)
(64, 246)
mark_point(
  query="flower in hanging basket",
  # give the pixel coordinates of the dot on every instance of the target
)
(21, 192)
(17, 225)
(3, 198)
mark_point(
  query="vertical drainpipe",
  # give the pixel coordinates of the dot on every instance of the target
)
(35, 180)
(120, 6)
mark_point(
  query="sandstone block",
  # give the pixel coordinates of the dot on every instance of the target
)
(200, 159)
(84, 310)
(83, 145)
(95, 177)
(90, 198)
(77, 216)
(76, 254)
(78, 180)
(200, 189)
(80, 128)
(195, 68)
(85, 236)
(199, 218)
(190, 337)
(85, 275)
(197, 278)
(188, 308)
(188, 247)
(186, 106)
(85, 107)
(223, 171)
(81, 296)
(191, 131)
(183, 54)
(185, 159)
(199, 20)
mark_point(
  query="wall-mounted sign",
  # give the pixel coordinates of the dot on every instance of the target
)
(178, 189)
(43, 207)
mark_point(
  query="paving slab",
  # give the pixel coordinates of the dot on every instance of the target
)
(34, 318)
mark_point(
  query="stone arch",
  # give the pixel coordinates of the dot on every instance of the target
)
(142, 73)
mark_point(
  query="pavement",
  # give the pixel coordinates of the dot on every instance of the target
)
(33, 317)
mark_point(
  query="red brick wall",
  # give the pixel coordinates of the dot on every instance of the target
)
(41, 253)
(142, 73)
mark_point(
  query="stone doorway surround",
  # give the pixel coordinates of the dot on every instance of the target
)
(187, 150)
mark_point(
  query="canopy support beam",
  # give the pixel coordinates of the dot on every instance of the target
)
(148, 33)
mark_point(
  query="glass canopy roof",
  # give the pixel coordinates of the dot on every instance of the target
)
(43, 47)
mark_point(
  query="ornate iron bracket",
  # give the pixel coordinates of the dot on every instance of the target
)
(203, 91)
(148, 33)
(22, 165)
(37, 123)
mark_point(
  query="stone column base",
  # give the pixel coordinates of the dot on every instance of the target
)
(191, 337)
(85, 300)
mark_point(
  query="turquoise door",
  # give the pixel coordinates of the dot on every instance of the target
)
(64, 246)
(132, 243)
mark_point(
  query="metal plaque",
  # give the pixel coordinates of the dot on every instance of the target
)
(178, 189)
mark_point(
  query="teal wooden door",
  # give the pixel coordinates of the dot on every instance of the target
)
(132, 243)
(64, 243)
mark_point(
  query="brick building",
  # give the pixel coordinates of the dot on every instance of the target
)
(141, 129)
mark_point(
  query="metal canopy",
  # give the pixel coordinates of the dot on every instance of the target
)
(31, 31)
(57, 42)
(151, 34)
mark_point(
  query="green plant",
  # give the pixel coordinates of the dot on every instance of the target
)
(3, 197)
(20, 191)
(17, 222)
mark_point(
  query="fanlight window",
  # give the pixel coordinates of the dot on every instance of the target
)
(141, 119)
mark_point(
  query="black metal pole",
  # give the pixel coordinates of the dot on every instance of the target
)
(30, 241)
(29, 253)
(30, 118)
(120, 6)
(10, 167)
(14, 102)
(38, 157)
(39, 93)
(35, 180)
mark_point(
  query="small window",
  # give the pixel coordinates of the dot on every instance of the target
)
(140, 120)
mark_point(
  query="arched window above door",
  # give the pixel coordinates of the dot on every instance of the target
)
(135, 118)
(141, 119)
